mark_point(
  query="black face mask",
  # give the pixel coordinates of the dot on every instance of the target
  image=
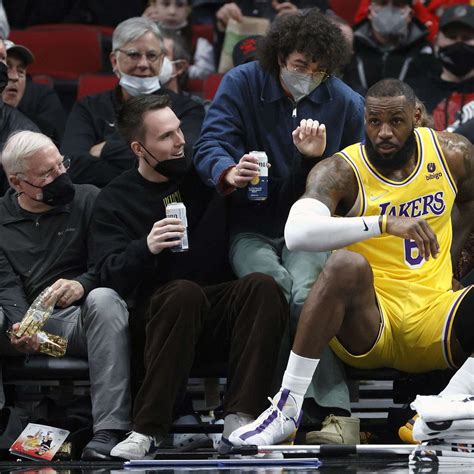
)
(398, 160)
(174, 169)
(57, 193)
(3, 77)
(457, 58)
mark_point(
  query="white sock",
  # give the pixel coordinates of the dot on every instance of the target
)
(462, 381)
(298, 375)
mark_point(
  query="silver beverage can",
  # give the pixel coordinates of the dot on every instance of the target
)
(257, 189)
(178, 211)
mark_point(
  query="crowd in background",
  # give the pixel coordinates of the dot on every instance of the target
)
(158, 49)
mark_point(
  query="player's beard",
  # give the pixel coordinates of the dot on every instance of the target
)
(396, 160)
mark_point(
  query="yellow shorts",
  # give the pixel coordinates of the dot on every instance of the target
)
(418, 342)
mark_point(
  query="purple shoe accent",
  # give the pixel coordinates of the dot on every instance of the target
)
(284, 397)
(298, 421)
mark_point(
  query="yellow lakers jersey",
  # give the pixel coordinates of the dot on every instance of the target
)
(400, 273)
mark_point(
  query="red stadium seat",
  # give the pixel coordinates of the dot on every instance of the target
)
(43, 79)
(211, 85)
(103, 29)
(202, 31)
(62, 54)
(90, 84)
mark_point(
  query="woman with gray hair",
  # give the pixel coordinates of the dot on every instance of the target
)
(98, 153)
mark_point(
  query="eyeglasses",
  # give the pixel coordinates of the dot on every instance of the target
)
(135, 56)
(56, 171)
(318, 76)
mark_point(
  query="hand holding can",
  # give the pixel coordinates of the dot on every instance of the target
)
(257, 189)
(178, 211)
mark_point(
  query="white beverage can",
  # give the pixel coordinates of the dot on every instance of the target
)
(178, 211)
(257, 189)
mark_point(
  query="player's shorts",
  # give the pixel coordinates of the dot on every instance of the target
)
(419, 341)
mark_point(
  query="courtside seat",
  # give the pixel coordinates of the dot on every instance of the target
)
(405, 386)
(34, 368)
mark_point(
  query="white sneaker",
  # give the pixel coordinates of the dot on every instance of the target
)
(188, 441)
(277, 424)
(135, 446)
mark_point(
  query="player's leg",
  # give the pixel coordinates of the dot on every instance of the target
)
(342, 303)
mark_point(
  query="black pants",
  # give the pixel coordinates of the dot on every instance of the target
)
(240, 322)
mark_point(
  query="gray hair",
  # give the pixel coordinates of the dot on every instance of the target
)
(132, 29)
(19, 147)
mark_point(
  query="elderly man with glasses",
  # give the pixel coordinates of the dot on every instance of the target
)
(278, 105)
(98, 153)
(44, 232)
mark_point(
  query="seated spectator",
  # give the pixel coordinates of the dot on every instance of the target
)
(182, 310)
(38, 102)
(173, 15)
(98, 153)
(390, 42)
(11, 119)
(44, 231)
(448, 89)
(385, 298)
(275, 105)
(263, 9)
(174, 72)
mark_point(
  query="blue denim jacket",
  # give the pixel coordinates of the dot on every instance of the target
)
(252, 112)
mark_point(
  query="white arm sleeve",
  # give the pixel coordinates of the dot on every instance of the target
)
(310, 227)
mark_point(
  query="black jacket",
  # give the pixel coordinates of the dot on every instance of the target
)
(38, 249)
(372, 62)
(42, 106)
(124, 215)
(93, 120)
(11, 120)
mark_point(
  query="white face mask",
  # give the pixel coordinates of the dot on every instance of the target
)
(166, 73)
(299, 85)
(139, 85)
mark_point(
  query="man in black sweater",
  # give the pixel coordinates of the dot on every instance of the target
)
(181, 313)
(97, 151)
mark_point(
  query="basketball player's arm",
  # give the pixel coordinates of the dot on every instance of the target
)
(459, 153)
(331, 189)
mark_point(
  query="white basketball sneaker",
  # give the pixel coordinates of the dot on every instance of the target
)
(276, 425)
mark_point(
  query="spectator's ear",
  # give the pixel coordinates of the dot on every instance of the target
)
(15, 182)
(137, 149)
(113, 61)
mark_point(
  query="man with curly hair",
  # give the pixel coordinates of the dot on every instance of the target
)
(277, 105)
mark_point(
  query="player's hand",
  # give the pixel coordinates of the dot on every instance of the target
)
(284, 8)
(416, 229)
(240, 176)
(24, 344)
(64, 293)
(310, 138)
(226, 12)
(165, 234)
